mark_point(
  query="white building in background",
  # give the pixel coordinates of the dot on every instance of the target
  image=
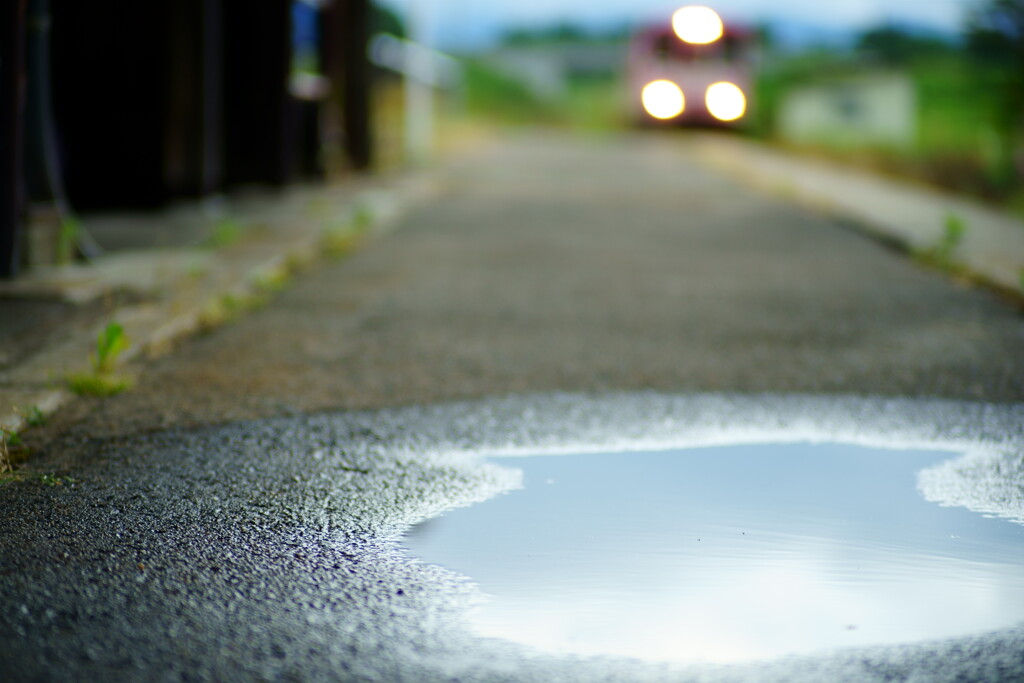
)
(870, 107)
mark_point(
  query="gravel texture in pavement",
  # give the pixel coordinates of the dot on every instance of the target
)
(267, 550)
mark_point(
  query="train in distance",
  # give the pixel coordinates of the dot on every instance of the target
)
(696, 70)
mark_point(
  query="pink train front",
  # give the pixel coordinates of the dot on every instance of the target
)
(695, 70)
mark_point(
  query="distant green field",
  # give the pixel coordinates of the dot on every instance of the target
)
(590, 104)
(958, 105)
(497, 97)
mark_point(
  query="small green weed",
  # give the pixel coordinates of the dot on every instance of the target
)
(362, 218)
(342, 237)
(339, 240)
(275, 280)
(223, 309)
(34, 417)
(225, 233)
(55, 480)
(294, 264)
(110, 343)
(67, 239)
(197, 270)
(50, 479)
(317, 208)
(12, 448)
(953, 232)
(11, 438)
(89, 384)
(941, 255)
(5, 456)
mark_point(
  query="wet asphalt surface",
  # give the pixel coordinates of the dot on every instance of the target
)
(180, 543)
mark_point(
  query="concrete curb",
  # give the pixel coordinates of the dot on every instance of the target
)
(186, 290)
(913, 217)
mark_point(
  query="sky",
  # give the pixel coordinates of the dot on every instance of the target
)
(727, 553)
(466, 24)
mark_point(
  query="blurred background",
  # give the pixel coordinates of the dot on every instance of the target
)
(929, 90)
(114, 105)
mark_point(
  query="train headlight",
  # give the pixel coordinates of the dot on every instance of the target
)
(663, 99)
(725, 101)
(697, 25)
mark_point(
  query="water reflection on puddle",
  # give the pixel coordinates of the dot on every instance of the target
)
(729, 553)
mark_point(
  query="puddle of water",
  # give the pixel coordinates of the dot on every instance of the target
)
(728, 554)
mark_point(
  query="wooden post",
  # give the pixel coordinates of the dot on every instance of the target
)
(193, 129)
(137, 99)
(257, 105)
(109, 93)
(12, 97)
(346, 38)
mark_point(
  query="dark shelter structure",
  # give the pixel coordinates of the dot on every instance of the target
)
(116, 104)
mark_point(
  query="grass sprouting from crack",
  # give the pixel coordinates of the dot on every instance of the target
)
(101, 381)
(942, 254)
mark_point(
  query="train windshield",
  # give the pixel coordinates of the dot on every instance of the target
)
(663, 44)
